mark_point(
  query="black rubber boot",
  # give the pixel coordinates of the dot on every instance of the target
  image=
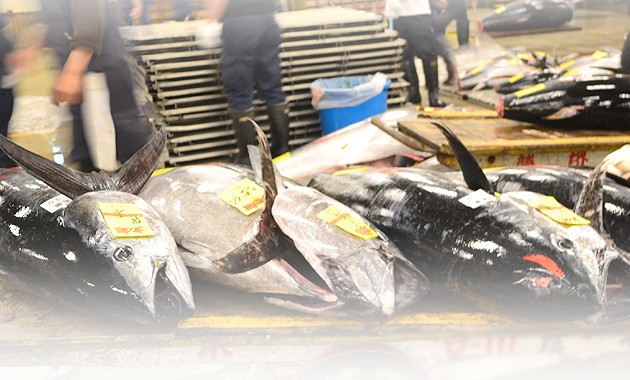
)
(279, 123)
(431, 77)
(411, 76)
(463, 32)
(245, 134)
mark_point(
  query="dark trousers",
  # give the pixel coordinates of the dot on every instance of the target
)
(6, 110)
(250, 56)
(133, 129)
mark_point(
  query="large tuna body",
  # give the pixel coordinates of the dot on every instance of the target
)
(596, 101)
(527, 14)
(566, 184)
(500, 252)
(63, 250)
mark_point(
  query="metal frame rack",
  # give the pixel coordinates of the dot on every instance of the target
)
(182, 80)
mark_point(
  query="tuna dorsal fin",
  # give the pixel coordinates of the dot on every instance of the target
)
(136, 171)
(473, 175)
(590, 204)
(264, 167)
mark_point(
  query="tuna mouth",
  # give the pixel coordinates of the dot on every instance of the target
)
(500, 107)
(170, 304)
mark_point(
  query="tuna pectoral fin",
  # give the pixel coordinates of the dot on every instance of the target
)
(134, 173)
(267, 244)
(590, 203)
(565, 113)
(473, 175)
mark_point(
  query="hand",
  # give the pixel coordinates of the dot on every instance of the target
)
(68, 88)
(136, 13)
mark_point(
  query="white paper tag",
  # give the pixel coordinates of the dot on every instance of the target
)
(477, 199)
(56, 203)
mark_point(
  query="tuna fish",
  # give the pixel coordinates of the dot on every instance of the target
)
(499, 70)
(84, 240)
(527, 14)
(501, 252)
(593, 102)
(357, 143)
(208, 229)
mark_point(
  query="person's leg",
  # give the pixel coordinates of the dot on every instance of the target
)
(268, 79)
(6, 110)
(402, 26)
(133, 129)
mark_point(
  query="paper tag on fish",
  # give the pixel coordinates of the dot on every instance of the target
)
(347, 222)
(56, 203)
(567, 64)
(477, 199)
(477, 69)
(125, 220)
(246, 196)
(282, 157)
(599, 54)
(161, 171)
(516, 78)
(529, 90)
(350, 171)
(499, 9)
(554, 210)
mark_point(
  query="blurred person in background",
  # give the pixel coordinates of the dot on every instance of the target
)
(413, 21)
(445, 11)
(6, 88)
(84, 35)
(625, 56)
(134, 12)
(251, 46)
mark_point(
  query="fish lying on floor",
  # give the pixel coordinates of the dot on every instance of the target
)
(601, 101)
(84, 240)
(357, 143)
(528, 14)
(207, 227)
(500, 70)
(501, 252)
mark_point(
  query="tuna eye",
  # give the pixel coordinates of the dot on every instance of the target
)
(123, 254)
(565, 244)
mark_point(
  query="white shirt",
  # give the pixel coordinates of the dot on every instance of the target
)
(398, 8)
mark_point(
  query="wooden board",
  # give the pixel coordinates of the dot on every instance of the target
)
(500, 142)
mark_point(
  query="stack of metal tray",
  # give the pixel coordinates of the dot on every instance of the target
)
(181, 79)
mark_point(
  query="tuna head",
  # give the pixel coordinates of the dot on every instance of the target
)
(538, 268)
(140, 278)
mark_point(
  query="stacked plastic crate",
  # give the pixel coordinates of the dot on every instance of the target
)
(182, 80)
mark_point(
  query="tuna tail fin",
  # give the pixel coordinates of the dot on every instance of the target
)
(136, 171)
(473, 175)
(73, 183)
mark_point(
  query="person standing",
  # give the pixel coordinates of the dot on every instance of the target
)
(413, 21)
(84, 35)
(445, 11)
(625, 56)
(250, 59)
(6, 93)
(134, 12)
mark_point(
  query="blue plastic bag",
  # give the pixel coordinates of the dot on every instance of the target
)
(344, 92)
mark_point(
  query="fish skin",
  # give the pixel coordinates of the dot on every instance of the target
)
(594, 102)
(565, 184)
(481, 253)
(355, 144)
(209, 229)
(68, 255)
(528, 14)
(370, 276)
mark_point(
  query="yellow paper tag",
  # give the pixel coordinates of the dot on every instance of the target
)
(499, 9)
(347, 222)
(350, 171)
(282, 157)
(246, 196)
(567, 64)
(530, 90)
(571, 72)
(599, 54)
(550, 207)
(516, 78)
(125, 220)
(161, 171)
(477, 69)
